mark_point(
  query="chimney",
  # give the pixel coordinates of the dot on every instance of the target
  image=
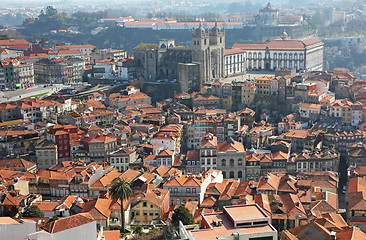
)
(333, 235)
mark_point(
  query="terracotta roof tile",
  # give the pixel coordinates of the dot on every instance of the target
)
(68, 222)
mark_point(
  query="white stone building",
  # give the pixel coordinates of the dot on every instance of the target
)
(235, 62)
(303, 55)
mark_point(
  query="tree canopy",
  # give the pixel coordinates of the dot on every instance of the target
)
(182, 214)
(52, 219)
(49, 19)
(31, 212)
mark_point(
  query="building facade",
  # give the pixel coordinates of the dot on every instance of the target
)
(303, 55)
(208, 49)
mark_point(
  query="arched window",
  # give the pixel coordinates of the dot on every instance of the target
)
(295, 56)
(240, 162)
(231, 162)
(224, 174)
(280, 56)
(231, 174)
(223, 162)
(260, 56)
(285, 56)
(275, 56)
(240, 174)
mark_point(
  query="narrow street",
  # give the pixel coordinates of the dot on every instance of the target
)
(342, 182)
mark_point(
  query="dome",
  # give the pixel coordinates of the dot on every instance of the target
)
(269, 8)
(216, 28)
(200, 30)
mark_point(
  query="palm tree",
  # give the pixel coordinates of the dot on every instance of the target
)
(121, 190)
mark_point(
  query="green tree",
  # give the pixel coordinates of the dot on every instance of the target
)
(31, 212)
(52, 219)
(51, 11)
(121, 190)
(182, 214)
(137, 229)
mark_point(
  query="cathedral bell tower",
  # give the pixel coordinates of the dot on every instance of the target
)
(208, 49)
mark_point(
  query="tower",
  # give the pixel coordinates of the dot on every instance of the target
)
(208, 49)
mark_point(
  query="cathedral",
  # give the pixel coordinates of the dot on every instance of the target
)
(208, 49)
(162, 61)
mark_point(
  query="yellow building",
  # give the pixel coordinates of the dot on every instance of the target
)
(263, 85)
(248, 92)
(227, 102)
(346, 112)
(149, 205)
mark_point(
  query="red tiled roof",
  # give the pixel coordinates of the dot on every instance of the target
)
(278, 44)
(68, 222)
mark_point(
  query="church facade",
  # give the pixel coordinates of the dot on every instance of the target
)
(208, 49)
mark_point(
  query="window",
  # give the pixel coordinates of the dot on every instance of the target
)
(231, 162)
(144, 204)
(231, 174)
(188, 190)
(224, 174)
(240, 174)
(193, 190)
(240, 162)
(223, 162)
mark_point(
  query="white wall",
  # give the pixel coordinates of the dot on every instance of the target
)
(17, 231)
(84, 232)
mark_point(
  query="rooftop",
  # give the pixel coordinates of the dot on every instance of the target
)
(222, 224)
